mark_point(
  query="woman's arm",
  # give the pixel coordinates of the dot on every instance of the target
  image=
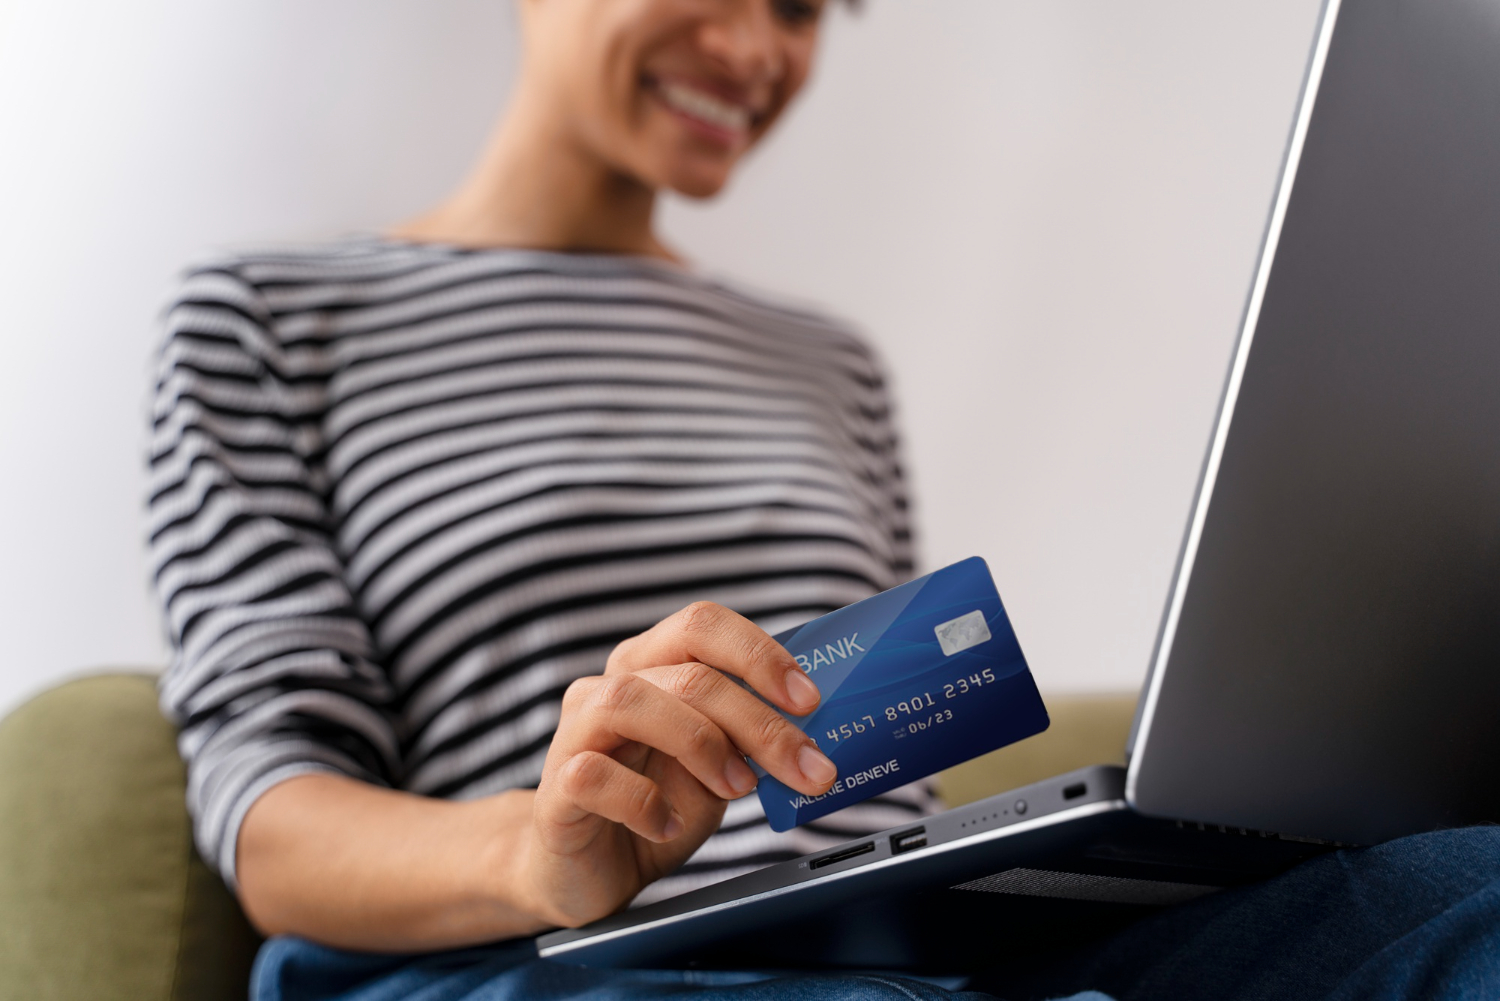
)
(273, 683)
(273, 672)
(637, 777)
(357, 866)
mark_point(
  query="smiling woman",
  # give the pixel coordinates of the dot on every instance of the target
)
(617, 100)
(462, 530)
(674, 100)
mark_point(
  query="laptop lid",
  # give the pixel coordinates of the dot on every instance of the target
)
(1329, 660)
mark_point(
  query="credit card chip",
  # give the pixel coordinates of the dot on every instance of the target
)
(958, 635)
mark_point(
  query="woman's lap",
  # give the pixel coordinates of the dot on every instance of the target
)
(1418, 917)
(294, 970)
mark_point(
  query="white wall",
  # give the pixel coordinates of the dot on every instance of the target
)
(1044, 211)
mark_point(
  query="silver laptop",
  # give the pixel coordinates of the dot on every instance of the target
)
(1328, 666)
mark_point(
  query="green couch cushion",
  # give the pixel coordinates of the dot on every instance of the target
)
(101, 893)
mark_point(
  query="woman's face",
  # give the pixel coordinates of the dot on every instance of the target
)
(669, 92)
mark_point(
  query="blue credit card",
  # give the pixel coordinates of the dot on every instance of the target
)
(914, 680)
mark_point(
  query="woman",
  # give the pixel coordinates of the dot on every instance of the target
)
(449, 524)
(414, 493)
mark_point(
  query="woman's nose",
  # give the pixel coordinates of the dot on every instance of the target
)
(746, 38)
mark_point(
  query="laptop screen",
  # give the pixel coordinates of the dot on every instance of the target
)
(1329, 664)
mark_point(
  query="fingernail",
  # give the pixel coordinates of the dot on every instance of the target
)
(739, 776)
(675, 826)
(814, 764)
(800, 689)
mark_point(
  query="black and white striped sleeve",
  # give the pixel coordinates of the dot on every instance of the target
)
(272, 673)
(888, 465)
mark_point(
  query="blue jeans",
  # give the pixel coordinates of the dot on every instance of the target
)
(1414, 918)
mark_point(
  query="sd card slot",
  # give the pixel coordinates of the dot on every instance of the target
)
(842, 854)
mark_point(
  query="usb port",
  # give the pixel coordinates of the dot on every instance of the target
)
(908, 841)
(841, 855)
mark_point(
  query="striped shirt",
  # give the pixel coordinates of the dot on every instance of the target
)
(402, 495)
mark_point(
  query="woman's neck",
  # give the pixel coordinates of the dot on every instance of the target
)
(536, 187)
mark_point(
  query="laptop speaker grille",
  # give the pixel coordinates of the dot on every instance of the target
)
(1081, 886)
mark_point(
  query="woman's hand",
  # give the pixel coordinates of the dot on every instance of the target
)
(647, 755)
(637, 777)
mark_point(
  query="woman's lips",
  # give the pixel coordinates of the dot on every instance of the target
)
(711, 115)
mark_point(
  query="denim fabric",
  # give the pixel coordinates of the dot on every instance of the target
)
(291, 969)
(1414, 918)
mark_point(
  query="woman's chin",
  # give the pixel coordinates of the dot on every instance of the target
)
(698, 183)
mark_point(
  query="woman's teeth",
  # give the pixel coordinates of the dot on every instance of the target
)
(705, 107)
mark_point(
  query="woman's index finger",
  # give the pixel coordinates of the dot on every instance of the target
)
(723, 639)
